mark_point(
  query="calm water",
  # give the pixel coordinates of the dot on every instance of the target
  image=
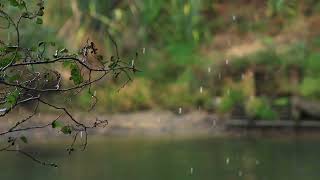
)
(170, 159)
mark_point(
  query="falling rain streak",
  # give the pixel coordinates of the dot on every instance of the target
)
(214, 122)
(209, 69)
(234, 18)
(242, 76)
(227, 161)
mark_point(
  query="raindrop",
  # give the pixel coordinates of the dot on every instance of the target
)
(228, 92)
(39, 115)
(143, 50)
(17, 147)
(180, 110)
(159, 120)
(227, 61)
(81, 134)
(234, 17)
(214, 123)
(95, 93)
(191, 170)
(227, 161)
(132, 63)
(242, 76)
(240, 173)
(201, 89)
(209, 69)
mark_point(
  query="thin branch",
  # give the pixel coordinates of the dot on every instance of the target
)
(33, 158)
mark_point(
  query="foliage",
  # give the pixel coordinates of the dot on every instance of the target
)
(28, 72)
(229, 100)
(178, 41)
(310, 87)
(136, 96)
(259, 108)
(281, 102)
(282, 7)
(310, 83)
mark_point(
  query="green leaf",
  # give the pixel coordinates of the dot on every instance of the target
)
(12, 98)
(66, 130)
(56, 124)
(3, 49)
(7, 60)
(76, 74)
(39, 21)
(14, 77)
(22, 5)
(24, 139)
(14, 3)
(34, 48)
(4, 62)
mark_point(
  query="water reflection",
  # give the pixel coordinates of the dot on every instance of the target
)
(204, 158)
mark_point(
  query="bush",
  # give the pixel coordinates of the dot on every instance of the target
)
(137, 96)
(282, 102)
(310, 87)
(173, 96)
(283, 8)
(259, 108)
(229, 100)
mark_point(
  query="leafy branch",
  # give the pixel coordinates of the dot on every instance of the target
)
(28, 73)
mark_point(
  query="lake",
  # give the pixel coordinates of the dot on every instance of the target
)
(173, 159)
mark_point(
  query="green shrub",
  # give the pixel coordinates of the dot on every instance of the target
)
(175, 95)
(284, 101)
(136, 96)
(310, 87)
(312, 66)
(229, 100)
(259, 108)
(283, 8)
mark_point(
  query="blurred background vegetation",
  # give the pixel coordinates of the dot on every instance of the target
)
(230, 57)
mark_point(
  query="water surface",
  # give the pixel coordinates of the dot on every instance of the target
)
(173, 159)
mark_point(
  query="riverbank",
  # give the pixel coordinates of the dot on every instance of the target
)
(166, 123)
(144, 123)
